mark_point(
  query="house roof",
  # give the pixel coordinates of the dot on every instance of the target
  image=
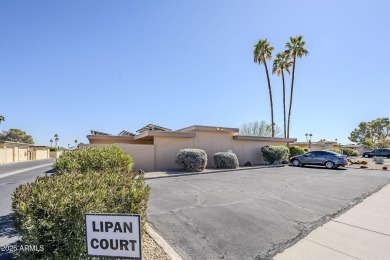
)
(125, 133)
(209, 128)
(14, 144)
(151, 127)
(93, 132)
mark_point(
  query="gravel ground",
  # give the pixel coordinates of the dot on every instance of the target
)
(370, 163)
(151, 250)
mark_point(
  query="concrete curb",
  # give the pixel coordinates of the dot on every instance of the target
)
(162, 243)
(167, 175)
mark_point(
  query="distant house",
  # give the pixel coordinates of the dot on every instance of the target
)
(156, 147)
(360, 148)
(313, 146)
(19, 152)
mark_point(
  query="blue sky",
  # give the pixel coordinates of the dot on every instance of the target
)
(67, 67)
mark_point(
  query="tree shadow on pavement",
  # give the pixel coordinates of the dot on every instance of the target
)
(6, 227)
(7, 231)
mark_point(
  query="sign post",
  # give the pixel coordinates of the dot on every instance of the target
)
(113, 235)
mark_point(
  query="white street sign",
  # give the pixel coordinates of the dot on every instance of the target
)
(113, 235)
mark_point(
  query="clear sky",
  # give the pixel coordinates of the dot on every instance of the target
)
(67, 67)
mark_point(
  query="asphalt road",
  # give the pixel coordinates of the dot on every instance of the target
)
(253, 214)
(11, 176)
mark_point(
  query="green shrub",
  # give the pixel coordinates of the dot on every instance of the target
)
(336, 150)
(50, 211)
(349, 152)
(192, 160)
(53, 149)
(94, 159)
(363, 162)
(225, 160)
(273, 153)
(296, 150)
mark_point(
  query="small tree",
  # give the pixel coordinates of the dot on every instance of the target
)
(16, 135)
(373, 134)
(257, 128)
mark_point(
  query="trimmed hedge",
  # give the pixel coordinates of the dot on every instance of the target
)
(296, 150)
(94, 159)
(346, 151)
(50, 211)
(274, 153)
(192, 160)
(350, 152)
(224, 160)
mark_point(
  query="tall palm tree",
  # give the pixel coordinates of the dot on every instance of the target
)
(75, 141)
(295, 48)
(51, 142)
(2, 119)
(262, 53)
(282, 63)
(56, 139)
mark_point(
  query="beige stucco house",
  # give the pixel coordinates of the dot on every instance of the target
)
(155, 148)
(18, 152)
(13, 152)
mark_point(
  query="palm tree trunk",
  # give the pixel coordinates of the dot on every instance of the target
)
(270, 98)
(284, 105)
(291, 97)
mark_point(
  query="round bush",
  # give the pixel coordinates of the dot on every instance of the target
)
(50, 211)
(192, 160)
(349, 152)
(225, 160)
(296, 150)
(94, 159)
(274, 153)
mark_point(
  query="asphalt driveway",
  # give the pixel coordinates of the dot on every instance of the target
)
(253, 214)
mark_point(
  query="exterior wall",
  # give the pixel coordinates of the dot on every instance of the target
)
(39, 154)
(9, 155)
(142, 154)
(3, 156)
(23, 154)
(55, 155)
(162, 155)
(166, 150)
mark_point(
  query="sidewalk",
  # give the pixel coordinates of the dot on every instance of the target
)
(363, 232)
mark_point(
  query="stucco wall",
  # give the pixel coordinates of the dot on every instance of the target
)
(142, 154)
(55, 154)
(41, 154)
(211, 142)
(9, 155)
(3, 156)
(166, 150)
(23, 154)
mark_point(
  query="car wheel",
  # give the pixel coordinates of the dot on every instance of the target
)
(295, 162)
(388, 156)
(329, 165)
(366, 155)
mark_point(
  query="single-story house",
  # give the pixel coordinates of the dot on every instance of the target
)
(155, 148)
(313, 146)
(13, 152)
(18, 152)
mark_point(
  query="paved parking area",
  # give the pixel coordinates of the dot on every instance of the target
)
(253, 214)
